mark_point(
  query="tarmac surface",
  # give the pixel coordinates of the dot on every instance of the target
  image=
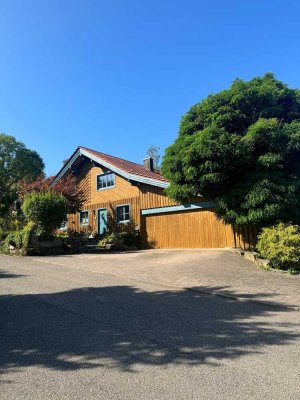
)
(124, 326)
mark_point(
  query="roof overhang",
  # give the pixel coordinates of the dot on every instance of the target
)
(99, 160)
(180, 207)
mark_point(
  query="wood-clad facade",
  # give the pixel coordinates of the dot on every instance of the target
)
(154, 197)
(122, 193)
(186, 229)
(161, 221)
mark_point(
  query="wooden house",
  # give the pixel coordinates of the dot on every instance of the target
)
(122, 195)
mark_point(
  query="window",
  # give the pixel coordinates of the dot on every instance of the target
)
(123, 213)
(84, 217)
(105, 181)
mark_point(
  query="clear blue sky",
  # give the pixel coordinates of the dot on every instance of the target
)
(117, 75)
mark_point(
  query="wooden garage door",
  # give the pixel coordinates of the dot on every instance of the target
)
(186, 229)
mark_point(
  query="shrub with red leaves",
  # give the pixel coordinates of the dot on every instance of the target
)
(67, 186)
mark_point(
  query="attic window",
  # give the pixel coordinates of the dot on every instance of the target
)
(105, 181)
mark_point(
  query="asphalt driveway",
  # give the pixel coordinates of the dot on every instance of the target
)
(141, 326)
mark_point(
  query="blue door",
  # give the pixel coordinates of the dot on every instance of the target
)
(102, 221)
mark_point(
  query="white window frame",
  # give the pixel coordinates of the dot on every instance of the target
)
(107, 187)
(88, 216)
(129, 213)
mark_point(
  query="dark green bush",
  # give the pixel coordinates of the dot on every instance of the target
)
(130, 239)
(46, 209)
(281, 245)
(122, 239)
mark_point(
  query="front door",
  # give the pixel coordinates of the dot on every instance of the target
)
(102, 221)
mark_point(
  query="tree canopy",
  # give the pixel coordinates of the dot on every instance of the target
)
(241, 147)
(16, 163)
(153, 152)
(67, 186)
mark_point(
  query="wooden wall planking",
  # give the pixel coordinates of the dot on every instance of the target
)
(122, 189)
(84, 181)
(87, 181)
(246, 236)
(187, 229)
(153, 197)
(134, 202)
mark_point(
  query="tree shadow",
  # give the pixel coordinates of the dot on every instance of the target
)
(6, 274)
(257, 297)
(123, 327)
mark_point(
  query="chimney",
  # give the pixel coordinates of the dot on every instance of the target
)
(148, 163)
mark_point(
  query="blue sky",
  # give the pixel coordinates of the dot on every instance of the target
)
(117, 75)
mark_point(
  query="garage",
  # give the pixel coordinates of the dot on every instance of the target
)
(190, 226)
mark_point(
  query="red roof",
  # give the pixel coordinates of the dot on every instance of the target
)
(126, 166)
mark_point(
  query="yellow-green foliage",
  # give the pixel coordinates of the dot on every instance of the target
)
(46, 209)
(27, 233)
(109, 238)
(281, 245)
(19, 239)
(14, 239)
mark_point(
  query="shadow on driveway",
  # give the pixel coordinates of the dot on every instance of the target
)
(122, 327)
(8, 275)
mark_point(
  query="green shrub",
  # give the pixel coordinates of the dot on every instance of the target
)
(2, 233)
(123, 239)
(19, 239)
(14, 239)
(62, 235)
(11, 222)
(109, 238)
(26, 231)
(130, 239)
(281, 245)
(46, 209)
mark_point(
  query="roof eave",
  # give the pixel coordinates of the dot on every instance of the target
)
(66, 167)
(99, 160)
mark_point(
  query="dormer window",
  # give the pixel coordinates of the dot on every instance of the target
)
(105, 181)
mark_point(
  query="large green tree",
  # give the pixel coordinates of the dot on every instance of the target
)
(16, 163)
(241, 147)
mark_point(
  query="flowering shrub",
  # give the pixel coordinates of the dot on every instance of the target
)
(281, 245)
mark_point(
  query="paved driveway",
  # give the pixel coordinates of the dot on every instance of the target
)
(125, 327)
(216, 271)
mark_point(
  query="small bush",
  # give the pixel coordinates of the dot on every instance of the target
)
(109, 238)
(14, 239)
(19, 239)
(123, 239)
(11, 222)
(281, 245)
(131, 239)
(62, 235)
(26, 234)
(46, 209)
